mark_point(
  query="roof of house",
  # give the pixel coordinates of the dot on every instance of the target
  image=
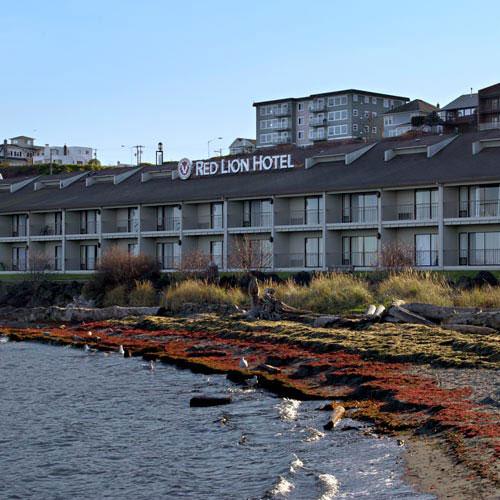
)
(454, 163)
(415, 105)
(492, 90)
(253, 141)
(464, 101)
(22, 137)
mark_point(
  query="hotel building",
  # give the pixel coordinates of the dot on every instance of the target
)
(327, 207)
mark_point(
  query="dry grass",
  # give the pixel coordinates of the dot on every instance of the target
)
(487, 297)
(331, 293)
(200, 292)
(413, 286)
(143, 294)
(117, 296)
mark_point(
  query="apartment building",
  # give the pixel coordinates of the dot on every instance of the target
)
(19, 151)
(337, 115)
(489, 107)
(460, 115)
(63, 155)
(436, 195)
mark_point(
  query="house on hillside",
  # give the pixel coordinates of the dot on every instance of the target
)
(400, 120)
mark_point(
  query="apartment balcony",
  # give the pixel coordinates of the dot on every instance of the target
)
(317, 122)
(317, 137)
(317, 107)
(483, 209)
(476, 258)
(79, 265)
(257, 220)
(283, 140)
(45, 230)
(355, 259)
(489, 125)
(362, 216)
(283, 112)
(283, 126)
(120, 226)
(411, 213)
(205, 223)
(298, 260)
(21, 231)
(303, 218)
(168, 225)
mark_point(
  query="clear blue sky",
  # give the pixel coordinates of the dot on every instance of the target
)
(109, 73)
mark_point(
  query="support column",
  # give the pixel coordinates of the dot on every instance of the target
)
(440, 226)
(226, 236)
(273, 232)
(323, 230)
(63, 241)
(380, 241)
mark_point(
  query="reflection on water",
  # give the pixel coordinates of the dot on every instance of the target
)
(85, 425)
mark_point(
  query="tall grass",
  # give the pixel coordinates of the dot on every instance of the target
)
(143, 294)
(327, 294)
(200, 292)
(413, 286)
(486, 297)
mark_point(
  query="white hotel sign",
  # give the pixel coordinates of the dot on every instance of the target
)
(258, 163)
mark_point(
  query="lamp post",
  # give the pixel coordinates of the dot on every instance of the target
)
(208, 144)
(159, 154)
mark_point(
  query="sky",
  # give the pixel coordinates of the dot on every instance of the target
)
(112, 74)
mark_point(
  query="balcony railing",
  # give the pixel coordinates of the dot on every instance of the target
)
(91, 227)
(360, 214)
(299, 260)
(285, 125)
(360, 259)
(283, 111)
(121, 226)
(20, 231)
(47, 230)
(411, 211)
(307, 217)
(257, 219)
(170, 262)
(481, 208)
(482, 257)
(425, 258)
(205, 222)
(317, 122)
(317, 107)
(81, 265)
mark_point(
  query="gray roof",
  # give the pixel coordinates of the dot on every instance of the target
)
(464, 101)
(454, 164)
(415, 105)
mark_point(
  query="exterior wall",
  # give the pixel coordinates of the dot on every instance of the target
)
(71, 155)
(400, 123)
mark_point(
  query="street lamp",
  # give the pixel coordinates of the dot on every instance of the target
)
(208, 144)
(159, 154)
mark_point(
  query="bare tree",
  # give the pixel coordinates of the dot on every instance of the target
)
(39, 262)
(194, 262)
(396, 256)
(248, 255)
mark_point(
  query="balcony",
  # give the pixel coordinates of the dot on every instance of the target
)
(360, 215)
(46, 230)
(426, 258)
(360, 259)
(305, 217)
(411, 212)
(90, 227)
(473, 209)
(482, 257)
(79, 265)
(170, 262)
(317, 107)
(208, 222)
(318, 137)
(121, 226)
(283, 126)
(20, 231)
(317, 122)
(283, 112)
(298, 260)
(257, 219)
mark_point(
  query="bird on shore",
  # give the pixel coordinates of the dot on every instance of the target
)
(121, 351)
(86, 348)
(243, 363)
(152, 365)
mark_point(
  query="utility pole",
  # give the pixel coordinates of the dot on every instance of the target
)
(138, 153)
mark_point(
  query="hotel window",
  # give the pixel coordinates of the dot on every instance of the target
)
(426, 204)
(479, 201)
(300, 120)
(300, 135)
(386, 103)
(313, 208)
(19, 258)
(216, 252)
(20, 225)
(257, 213)
(360, 208)
(388, 120)
(168, 255)
(88, 222)
(355, 127)
(216, 221)
(374, 100)
(133, 220)
(300, 106)
(479, 249)
(366, 128)
(355, 97)
(339, 115)
(88, 257)
(367, 114)
(337, 130)
(354, 112)
(330, 101)
(426, 249)
(359, 251)
(168, 218)
(313, 252)
(374, 130)
(367, 99)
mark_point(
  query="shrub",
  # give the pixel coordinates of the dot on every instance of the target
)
(486, 297)
(117, 296)
(143, 294)
(330, 293)
(413, 286)
(201, 293)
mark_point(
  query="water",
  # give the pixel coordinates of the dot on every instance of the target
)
(79, 425)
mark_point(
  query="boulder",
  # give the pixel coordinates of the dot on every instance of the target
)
(205, 401)
(324, 321)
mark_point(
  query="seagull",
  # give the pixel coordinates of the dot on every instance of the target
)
(243, 363)
(121, 351)
(86, 348)
(152, 365)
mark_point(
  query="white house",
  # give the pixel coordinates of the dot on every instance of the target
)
(64, 155)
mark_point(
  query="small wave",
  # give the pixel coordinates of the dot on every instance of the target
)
(288, 409)
(280, 489)
(330, 485)
(296, 464)
(313, 435)
(4, 340)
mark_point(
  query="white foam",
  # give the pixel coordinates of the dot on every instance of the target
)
(4, 340)
(330, 485)
(296, 464)
(288, 409)
(281, 488)
(313, 435)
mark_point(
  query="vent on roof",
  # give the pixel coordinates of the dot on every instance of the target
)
(346, 158)
(156, 174)
(109, 178)
(58, 183)
(478, 146)
(428, 150)
(12, 187)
